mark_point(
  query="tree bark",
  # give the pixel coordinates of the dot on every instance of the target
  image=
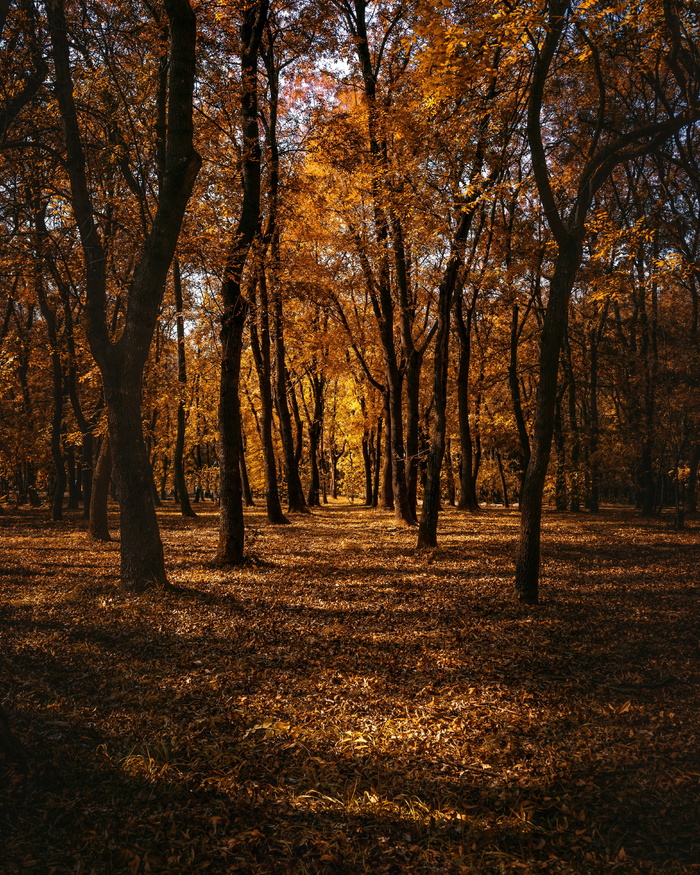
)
(528, 562)
(98, 525)
(179, 452)
(260, 343)
(231, 526)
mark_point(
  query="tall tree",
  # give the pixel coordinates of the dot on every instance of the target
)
(231, 525)
(614, 131)
(122, 361)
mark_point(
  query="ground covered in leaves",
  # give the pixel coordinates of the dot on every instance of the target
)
(342, 704)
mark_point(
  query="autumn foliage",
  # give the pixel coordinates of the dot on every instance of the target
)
(403, 299)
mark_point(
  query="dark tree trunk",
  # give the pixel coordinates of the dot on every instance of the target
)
(528, 562)
(467, 480)
(231, 525)
(427, 529)
(560, 491)
(59, 483)
(295, 493)
(178, 464)
(315, 429)
(387, 491)
(377, 463)
(260, 343)
(98, 525)
(247, 492)
(122, 362)
(87, 461)
(142, 562)
(575, 464)
(367, 452)
(514, 385)
(413, 370)
(594, 430)
(449, 473)
(502, 475)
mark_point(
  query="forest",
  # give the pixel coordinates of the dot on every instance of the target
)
(349, 435)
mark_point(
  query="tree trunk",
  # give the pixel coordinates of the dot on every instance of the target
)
(504, 485)
(122, 362)
(260, 343)
(377, 463)
(87, 461)
(528, 561)
(247, 492)
(295, 493)
(142, 562)
(315, 429)
(427, 529)
(231, 525)
(178, 466)
(514, 385)
(367, 447)
(387, 491)
(467, 481)
(98, 527)
(449, 473)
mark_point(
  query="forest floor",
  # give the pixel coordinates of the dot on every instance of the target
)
(342, 704)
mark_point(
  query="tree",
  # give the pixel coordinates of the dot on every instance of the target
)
(614, 132)
(231, 526)
(122, 362)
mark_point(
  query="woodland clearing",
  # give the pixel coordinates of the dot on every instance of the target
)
(344, 704)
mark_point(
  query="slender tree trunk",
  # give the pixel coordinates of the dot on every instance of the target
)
(367, 447)
(59, 485)
(98, 526)
(231, 525)
(295, 493)
(467, 481)
(427, 529)
(377, 463)
(413, 429)
(502, 475)
(247, 492)
(387, 491)
(449, 473)
(178, 466)
(315, 429)
(260, 343)
(514, 385)
(87, 453)
(560, 491)
(122, 362)
(528, 562)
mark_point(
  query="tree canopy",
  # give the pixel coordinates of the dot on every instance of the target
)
(414, 253)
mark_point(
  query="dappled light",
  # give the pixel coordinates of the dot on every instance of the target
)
(341, 704)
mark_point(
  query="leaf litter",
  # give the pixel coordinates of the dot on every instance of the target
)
(344, 704)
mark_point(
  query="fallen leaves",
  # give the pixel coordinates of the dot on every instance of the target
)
(353, 709)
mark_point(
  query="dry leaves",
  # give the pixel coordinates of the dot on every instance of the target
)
(341, 704)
